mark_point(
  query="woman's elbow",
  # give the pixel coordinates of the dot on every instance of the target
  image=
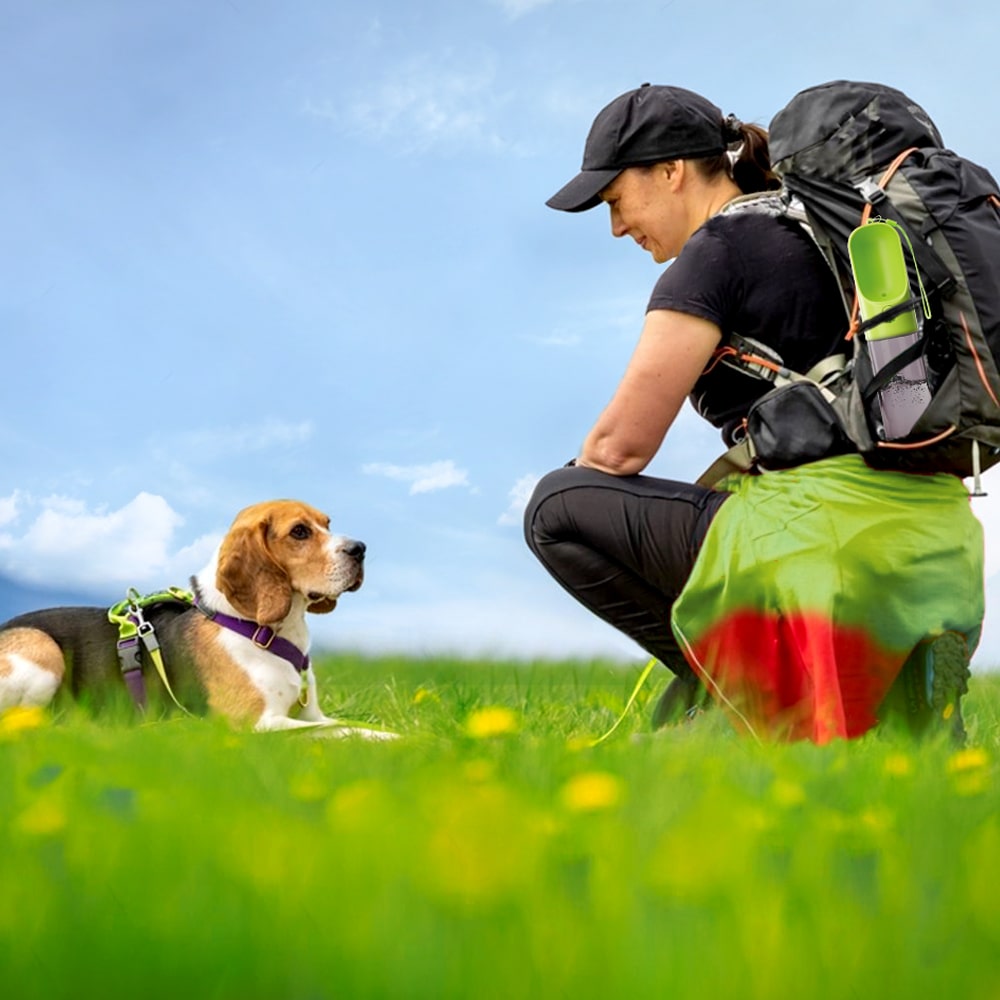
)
(614, 461)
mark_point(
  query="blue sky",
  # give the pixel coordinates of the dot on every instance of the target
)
(256, 249)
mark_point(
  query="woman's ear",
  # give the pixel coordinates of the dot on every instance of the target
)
(675, 172)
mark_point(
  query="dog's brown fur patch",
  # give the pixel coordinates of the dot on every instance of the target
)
(230, 691)
(33, 645)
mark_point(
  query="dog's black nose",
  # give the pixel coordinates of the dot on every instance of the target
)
(355, 549)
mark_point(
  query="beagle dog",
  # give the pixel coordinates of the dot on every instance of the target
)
(239, 650)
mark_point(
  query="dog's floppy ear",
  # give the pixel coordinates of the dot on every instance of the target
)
(323, 606)
(249, 576)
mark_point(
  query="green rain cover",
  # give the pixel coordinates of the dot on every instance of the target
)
(813, 586)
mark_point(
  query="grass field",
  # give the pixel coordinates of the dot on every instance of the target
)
(492, 853)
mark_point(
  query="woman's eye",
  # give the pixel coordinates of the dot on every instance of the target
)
(300, 531)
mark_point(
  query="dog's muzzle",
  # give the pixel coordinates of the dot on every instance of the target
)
(352, 556)
(356, 550)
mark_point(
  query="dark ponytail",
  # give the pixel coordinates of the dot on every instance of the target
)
(751, 169)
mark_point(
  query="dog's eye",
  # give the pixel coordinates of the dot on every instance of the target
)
(301, 532)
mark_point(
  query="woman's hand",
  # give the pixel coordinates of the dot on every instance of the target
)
(673, 350)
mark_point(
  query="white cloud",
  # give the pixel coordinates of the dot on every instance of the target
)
(9, 508)
(519, 495)
(66, 544)
(422, 478)
(179, 567)
(423, 104)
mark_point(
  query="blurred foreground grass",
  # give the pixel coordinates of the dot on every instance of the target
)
(490, 853)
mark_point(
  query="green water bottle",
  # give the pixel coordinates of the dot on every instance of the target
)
(876, 253)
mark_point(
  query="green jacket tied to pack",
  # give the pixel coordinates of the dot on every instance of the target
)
(815, 585)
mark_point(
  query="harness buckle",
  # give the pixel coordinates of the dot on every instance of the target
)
(268, 633)
(131, 668)
(148, 635)
(757, 368)
(128, 654)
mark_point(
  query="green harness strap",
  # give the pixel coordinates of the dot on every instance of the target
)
(133, 628)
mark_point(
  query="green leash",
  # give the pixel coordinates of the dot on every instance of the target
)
(646, 671)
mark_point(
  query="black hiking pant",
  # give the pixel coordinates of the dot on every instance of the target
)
(623, 546)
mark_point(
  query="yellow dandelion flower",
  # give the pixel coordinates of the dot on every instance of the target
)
(43, 817)
(968, 760)
(972, 782)
(591, 791)
(360, 807)
(482, 845)
(21, 717)
(487, 722)
(423, 694)
(970, 771)
(357, 796)
(479, 770)
(898, 765)
(308, 787)
(788, 793)
(876, 819)
(757, 819)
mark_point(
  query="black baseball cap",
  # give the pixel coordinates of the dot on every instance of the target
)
(647, 125)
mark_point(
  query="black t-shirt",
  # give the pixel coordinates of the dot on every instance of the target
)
(762, 277)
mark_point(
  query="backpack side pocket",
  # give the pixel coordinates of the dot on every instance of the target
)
(793, 425)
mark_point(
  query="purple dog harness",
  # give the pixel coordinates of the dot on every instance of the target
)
(133, 629)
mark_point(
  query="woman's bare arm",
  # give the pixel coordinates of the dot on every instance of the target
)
(673, 350)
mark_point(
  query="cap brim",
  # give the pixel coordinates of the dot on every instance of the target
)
(583, 191)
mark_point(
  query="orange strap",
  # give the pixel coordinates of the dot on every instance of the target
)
(717, 355)
(912, 445)
(722, 353)
(977, 359)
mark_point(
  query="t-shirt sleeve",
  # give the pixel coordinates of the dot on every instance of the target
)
(705, 280)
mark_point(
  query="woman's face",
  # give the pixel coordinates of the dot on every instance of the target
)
(645, 204)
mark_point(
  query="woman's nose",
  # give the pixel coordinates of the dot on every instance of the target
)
(617, 227)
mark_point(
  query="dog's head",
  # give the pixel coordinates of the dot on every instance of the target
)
(284, 547)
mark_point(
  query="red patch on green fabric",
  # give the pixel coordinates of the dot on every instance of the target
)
(796, 676)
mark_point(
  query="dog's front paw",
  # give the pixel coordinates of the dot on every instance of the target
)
(335, 730)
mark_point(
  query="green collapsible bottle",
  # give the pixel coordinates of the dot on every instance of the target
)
(882, 283)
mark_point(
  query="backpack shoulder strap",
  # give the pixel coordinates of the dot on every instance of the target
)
(737, 460)
(784, 204)
(762, 202)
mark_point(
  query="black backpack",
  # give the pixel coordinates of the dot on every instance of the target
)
(847, 152)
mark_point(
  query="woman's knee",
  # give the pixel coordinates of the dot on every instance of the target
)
(541, 515)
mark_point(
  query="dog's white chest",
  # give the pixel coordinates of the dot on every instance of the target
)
(276, 679)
